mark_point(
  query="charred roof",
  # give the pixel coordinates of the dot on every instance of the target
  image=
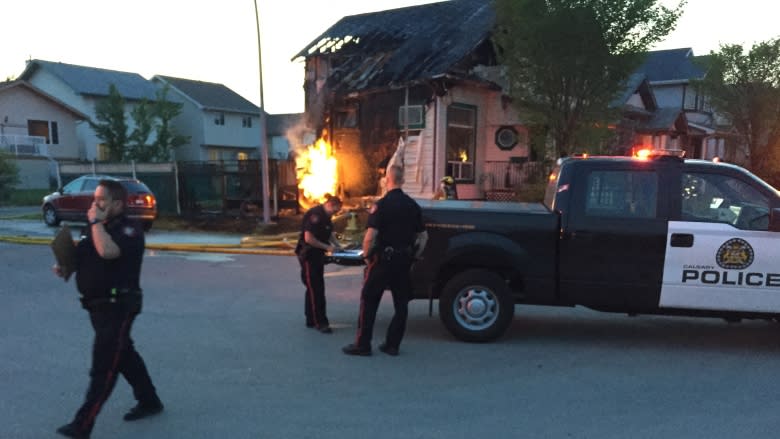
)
(405, 45)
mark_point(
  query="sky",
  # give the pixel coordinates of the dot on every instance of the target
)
(216, 40)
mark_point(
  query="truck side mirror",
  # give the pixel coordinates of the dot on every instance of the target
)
(774, 220)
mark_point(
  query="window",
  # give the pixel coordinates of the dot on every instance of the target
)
(414, 114)
(55, 135)
(461, 141)
(622, 194)
(723, 199)
(39, 128)
(220, 119)
(246, 122)
(346, 118)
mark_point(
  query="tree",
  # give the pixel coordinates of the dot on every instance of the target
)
(143, 119)
(567, 60)
(167, 138)
(148, 117)
(744, 87)
(9, 176)
(111, 126)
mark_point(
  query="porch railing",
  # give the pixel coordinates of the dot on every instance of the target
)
(509, 176)
(24, 145)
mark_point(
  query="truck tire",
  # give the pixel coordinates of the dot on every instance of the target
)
(476, 306)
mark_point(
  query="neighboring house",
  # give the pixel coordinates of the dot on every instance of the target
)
(221, 124)
(643, 124)
(82, 87)
(34, 128)
(671, 73)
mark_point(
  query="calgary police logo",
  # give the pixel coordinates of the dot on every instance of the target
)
(735, 254)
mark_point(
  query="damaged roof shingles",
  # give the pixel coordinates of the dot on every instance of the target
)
(402, 46)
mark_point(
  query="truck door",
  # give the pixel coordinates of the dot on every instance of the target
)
(613, 238)
(720, 254)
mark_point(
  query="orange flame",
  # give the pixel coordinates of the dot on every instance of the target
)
(316, 171)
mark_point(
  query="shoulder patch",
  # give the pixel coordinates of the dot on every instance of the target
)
(314, 219)
(372, 210)
(129, 231)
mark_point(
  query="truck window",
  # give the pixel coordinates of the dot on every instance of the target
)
(621, 194)
(723, 199)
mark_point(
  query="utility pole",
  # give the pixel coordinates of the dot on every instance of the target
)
(263, 136)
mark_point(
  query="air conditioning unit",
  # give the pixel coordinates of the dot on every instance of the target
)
(414, 114)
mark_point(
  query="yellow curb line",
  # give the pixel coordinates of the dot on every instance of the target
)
(205, 248)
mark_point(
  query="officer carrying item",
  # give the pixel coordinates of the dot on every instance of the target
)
(316, 238)
(395, 237)
(447, 189)
(108, 269)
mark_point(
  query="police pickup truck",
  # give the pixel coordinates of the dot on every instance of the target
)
(660, 235)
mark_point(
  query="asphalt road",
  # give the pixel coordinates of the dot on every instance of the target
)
(225, 342)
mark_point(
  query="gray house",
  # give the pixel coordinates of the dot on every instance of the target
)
(671, 74)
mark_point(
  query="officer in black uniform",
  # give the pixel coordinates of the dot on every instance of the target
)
(316, 238)
(395, 237)
(108, 271)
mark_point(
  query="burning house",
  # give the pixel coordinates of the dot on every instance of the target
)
(425, 77)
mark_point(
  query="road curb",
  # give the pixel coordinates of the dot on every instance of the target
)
(277, 248)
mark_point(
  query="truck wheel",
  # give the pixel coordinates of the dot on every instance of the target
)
(476, 306)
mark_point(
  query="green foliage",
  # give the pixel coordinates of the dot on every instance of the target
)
(167, 138)
(111, 126)
(27, 197)
(744, 86)
(143, 119)
(567, 60)
(9, 176)
(148, 118)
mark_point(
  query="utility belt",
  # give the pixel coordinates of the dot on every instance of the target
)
(131, 298)
(391, 253)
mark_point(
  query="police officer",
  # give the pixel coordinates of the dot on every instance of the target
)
(316, 238)
(108, 269)
(395, 236)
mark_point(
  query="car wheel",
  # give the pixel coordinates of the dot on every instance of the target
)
(147, 225)
(476, 306)
(50, 216)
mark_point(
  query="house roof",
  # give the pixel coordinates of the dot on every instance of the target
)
(211, 96)
(636, 83)
(92, 81)
(401, 46)
(665, 119)
(4, 86)
(671, 66)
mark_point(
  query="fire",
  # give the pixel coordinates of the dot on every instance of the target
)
(464, 156)
(316, 171)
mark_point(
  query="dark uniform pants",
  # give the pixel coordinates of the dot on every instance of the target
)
(313, 277)
(381, 274)
(113, 353)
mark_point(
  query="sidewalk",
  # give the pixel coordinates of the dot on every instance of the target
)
(31, 231)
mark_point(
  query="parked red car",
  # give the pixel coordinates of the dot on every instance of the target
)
(71, 202)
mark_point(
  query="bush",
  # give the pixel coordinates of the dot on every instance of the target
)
(27, 197)
(9, 176)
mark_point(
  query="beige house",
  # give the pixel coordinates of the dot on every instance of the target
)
(36, 128)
